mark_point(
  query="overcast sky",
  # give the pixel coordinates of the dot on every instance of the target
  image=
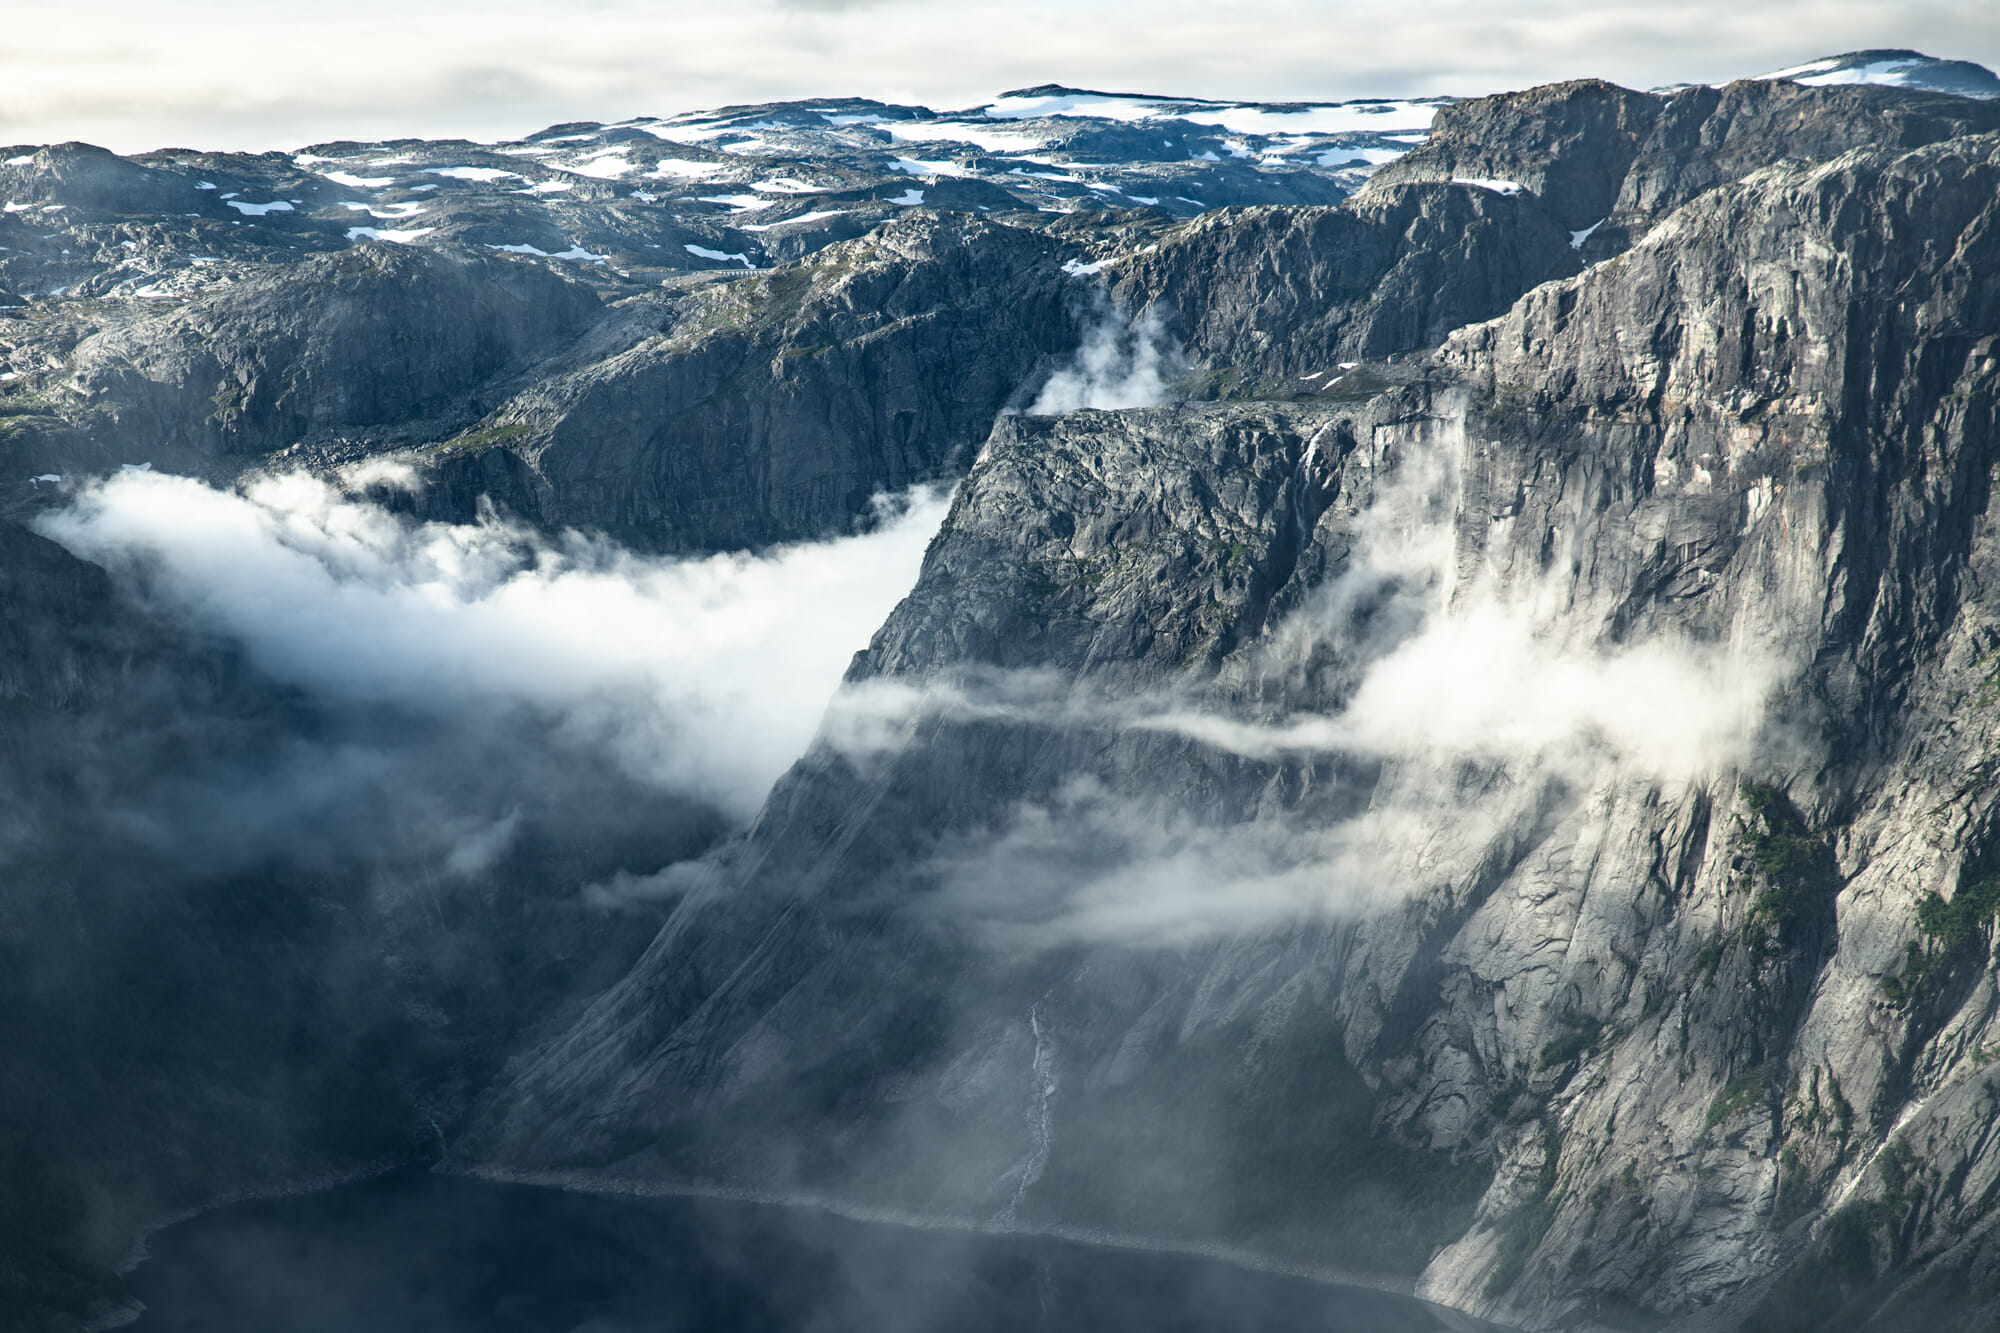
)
(247, 74)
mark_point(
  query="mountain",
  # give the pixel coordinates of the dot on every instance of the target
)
(1444, 734)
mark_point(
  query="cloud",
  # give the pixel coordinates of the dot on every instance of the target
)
(1665, 710)
(1098, 865)
(1120, 363)
(702, 676)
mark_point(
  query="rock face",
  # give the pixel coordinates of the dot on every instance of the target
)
(1684, 1026)
(1293, 292)
(1599, 156)
(1489, 789)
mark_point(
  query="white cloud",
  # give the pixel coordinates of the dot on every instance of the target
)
(1120, 364)
(707, 676)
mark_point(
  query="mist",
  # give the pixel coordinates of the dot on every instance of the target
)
(1121, 363)
(702, 676)
(1429, 709)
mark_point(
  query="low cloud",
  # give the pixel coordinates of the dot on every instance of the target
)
(1487, 683)
(703, 676)
(1121, 363)
(1098, 865)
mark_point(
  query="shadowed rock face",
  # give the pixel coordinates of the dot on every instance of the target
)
(1123, 890)
(1290, 292)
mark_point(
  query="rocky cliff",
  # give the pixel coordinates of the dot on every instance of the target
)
(1682, 991)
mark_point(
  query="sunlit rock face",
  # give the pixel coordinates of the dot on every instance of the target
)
(1440, 736)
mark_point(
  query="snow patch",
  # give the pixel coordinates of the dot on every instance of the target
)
(718, 256)
(1826, 73)
(815, 216)
(480, 174)
(388, 212)
(742, 203)
(21, 161)
(958, 131)
(1484, 183)
(1236, 117)
(1374, 157)
(604, 168)
(672, 168)
(1577, 238)
(909, 198)
(402, 237)
(259, 210)
(574, 252)
(354, 182)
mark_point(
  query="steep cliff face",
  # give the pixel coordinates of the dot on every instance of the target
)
(1293, 292)
(1819, 343)
(1613, 162)
(884, 993)
(214, 981)
(1126, 834)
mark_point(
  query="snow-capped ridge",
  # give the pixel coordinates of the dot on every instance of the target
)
(1894, 69)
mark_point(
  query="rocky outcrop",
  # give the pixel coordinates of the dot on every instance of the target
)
(1568, 144)
(1508, 192)
(99, 184)
(381, 336)
(1602, 157)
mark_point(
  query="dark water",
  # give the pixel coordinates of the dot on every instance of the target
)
(428, 1254)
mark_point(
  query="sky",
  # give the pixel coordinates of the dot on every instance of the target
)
(248, 75)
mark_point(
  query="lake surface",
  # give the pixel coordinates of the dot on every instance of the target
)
(418, 1253)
